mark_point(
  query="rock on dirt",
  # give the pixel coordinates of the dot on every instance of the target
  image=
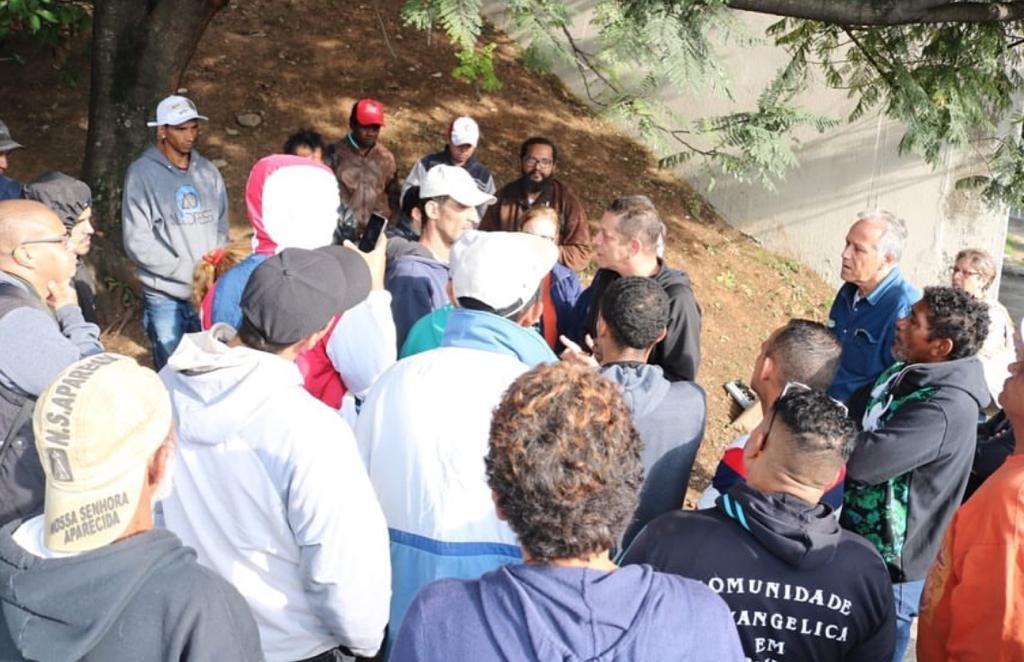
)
(249, 120)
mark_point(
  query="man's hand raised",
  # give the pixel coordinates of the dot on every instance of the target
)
(573, 353)
(61, 294)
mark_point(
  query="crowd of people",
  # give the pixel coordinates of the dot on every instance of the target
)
(444, 444)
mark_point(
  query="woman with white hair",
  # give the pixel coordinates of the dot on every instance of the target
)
(974, 271)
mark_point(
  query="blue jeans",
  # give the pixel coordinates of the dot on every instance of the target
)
(166, 320)
(908, 599)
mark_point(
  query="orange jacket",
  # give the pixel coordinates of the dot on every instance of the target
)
(973, 602)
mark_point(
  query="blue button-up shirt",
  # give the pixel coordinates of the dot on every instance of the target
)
(866, 330)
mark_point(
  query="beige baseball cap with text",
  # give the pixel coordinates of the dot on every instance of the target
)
(96, 426)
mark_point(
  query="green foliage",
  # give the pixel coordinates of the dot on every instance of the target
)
(49, 21)
(462, 22)
(951, 84)
(638, 50)
(477, 65)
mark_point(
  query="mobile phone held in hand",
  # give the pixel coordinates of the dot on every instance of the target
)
(374, 227)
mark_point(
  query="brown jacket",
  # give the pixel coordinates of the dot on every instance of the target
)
(368, 182)
(507, 214)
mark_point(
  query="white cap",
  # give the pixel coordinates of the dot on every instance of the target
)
(500, 269)
(456, 183)
(464, 131)
(175, 110)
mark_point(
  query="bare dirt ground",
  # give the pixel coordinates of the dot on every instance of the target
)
(304, 62)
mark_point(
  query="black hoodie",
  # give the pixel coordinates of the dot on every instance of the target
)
(908, 474)
(679, 353)
(799, 587)
(142, 599)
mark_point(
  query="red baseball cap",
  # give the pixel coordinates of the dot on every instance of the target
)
(368, 112)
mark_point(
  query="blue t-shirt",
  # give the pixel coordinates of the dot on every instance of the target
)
(866, 330)
(227, 295)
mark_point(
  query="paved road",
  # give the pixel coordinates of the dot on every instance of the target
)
(1011, 288)
(1011, 291)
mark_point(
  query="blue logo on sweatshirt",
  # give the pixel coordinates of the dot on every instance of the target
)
(190, 211)
(187, 198)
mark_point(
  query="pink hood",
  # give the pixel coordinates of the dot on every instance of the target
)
(292, 202)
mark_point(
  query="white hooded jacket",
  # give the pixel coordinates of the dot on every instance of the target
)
(270, 491)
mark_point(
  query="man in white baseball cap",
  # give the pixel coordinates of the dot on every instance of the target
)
(174, 211)
(176, 110)
(462, 138)
(91, 578)
(418, 280)
(423, 428)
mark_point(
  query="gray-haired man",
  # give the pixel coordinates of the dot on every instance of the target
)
(874, 296)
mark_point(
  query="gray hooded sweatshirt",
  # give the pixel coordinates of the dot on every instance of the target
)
(142, 599)
(171, 218)
(670, 419)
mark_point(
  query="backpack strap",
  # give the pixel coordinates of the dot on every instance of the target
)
(13, 297)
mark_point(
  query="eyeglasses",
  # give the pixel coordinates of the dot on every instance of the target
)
(65, 240)
(530, 161)
(792, 387)
(799, 386)
(965, 272)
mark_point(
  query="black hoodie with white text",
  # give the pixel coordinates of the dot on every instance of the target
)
(799, 586)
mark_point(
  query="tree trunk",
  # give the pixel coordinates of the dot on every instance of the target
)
(140, 49)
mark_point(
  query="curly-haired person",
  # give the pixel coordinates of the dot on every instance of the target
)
(564, 469)
(919, 429)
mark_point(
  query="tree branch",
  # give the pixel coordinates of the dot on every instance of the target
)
(893, 12)
(884, 72)
(584, 64)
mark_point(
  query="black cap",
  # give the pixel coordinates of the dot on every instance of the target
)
(293, 294)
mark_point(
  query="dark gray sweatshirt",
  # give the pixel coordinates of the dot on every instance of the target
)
(35, 345)
(670, 419)
(171, 218)
(139, 600)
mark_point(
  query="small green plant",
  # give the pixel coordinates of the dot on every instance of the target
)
(122, 292)
(49, 21)
(477, 66)
(727, 279)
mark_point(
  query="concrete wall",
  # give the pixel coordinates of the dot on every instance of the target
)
(851, 168)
